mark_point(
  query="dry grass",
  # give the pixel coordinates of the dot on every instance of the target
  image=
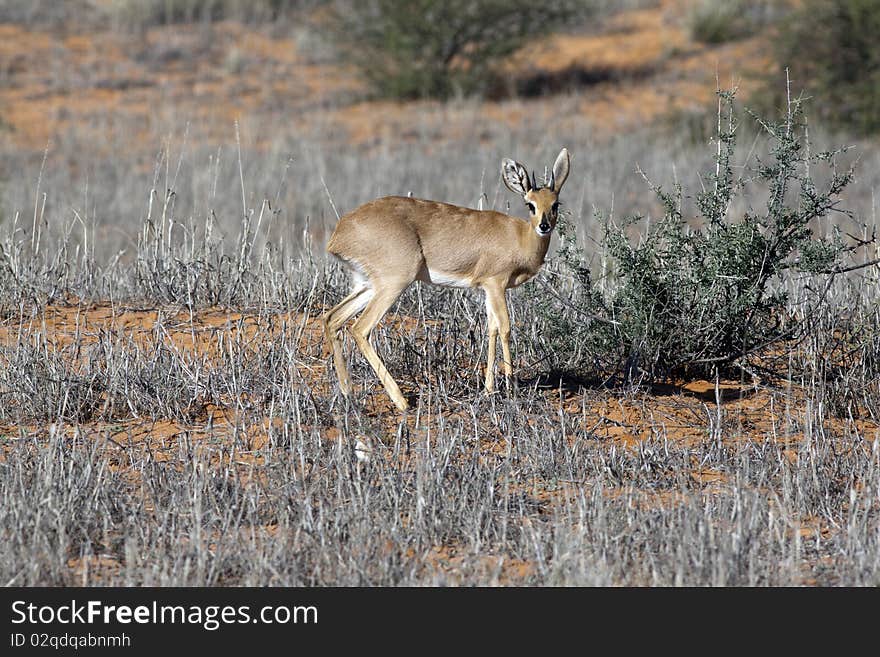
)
(172, 445)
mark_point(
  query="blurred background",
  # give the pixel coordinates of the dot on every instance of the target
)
(317, 106)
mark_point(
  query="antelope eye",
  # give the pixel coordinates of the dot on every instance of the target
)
(532, 208)
(555, 207)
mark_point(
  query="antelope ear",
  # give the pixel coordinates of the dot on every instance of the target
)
(560, 169)
(515, 177)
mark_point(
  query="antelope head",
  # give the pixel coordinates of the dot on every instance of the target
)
(542, 202)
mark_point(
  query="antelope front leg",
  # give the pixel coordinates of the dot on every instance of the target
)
(503, 320)
(490, 360)
(499, 325)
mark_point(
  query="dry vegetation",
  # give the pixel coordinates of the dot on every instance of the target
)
(168, 415)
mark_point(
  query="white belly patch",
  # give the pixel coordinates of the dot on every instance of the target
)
(450, 280)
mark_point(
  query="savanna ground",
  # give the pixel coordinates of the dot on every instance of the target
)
(168, 412)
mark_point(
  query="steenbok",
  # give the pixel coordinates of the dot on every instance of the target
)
(392, 241)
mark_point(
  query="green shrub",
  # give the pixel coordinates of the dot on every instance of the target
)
(433, 48)
(690, 298)
(831, 48)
